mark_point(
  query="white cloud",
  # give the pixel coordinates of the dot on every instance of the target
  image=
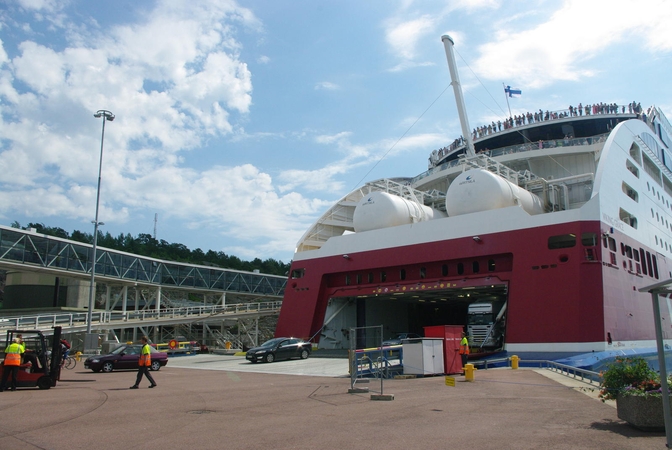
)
(562, 47)
(327, 86)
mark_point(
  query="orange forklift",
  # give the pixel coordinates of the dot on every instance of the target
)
(40, 366)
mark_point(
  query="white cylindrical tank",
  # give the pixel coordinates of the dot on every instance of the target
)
(381, 210)
(480, 190)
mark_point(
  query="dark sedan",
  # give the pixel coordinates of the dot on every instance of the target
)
(124, 357)
(279, 348)
(400, 337)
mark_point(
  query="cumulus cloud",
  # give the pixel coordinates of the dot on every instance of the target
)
(327, 86)
(562, 47)
(174, 77)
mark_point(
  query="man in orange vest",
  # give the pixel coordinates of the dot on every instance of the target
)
(144, 364)
(11, 363)
(464, 350)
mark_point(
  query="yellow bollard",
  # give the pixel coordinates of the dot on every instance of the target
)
(514, 361)
(78, 356)
(469, 370)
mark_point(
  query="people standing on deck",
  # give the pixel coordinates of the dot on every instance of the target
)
(144, 364)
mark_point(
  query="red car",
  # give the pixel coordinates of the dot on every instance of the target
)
(124, 357)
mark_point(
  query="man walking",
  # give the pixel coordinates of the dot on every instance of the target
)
(144, 364)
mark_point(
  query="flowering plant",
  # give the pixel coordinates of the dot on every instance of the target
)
(629, 376)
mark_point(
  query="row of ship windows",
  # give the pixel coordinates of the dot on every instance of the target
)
(358, 278)
(637, 260)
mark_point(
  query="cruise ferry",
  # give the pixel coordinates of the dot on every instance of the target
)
(535, 237)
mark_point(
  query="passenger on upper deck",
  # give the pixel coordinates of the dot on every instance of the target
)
(538, 116)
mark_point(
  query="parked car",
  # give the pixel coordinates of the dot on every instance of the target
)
(124, 357)
(279, 348)
(400, 337)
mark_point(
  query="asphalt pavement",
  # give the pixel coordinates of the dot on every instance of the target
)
(215, 401)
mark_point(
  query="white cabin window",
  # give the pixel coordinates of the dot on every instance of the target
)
(636, 153)
(627, 218)
(632, 168)
(630, 192)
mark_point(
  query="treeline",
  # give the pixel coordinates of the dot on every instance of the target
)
(145, 245)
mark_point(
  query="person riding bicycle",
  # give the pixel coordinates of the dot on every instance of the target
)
(65, 349)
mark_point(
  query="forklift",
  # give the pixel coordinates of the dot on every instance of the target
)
(39, 366)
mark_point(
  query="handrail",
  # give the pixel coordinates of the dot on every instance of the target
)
(65, 320)
(517, 148)
(584, 375)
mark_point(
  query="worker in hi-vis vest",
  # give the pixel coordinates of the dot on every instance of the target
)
(11, 363)
(144, 364)
(464, 350)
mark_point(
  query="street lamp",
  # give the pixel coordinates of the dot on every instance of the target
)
(106, 115)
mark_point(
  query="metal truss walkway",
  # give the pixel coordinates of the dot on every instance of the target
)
(104, 320)
(29, 251)
(138, 292)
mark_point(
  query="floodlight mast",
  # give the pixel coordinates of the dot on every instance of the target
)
(106, 116)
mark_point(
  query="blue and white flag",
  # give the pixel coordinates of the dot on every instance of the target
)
(513, 92)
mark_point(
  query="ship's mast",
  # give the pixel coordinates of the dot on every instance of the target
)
(457, 88)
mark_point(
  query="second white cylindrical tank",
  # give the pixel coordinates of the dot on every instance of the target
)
(480, 190)
(382, 210)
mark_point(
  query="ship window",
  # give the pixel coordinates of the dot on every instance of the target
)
(643, 258)
(613, 258)
(630, 192)
(590, 256)
(383, 277)
(649, 264)
(635, 153)
(347, 280)
(562, 241)
(622, 249)
(444, 270)
(491, 265)
(475, 267)
(627, 218)
(402, 274)
(423, 272)
(359, 278)
(667, 184)
(655, 267)
(298, 273)
(632, 168)
(628, 251)
(651, 168)
(612, 243)
(589, 239)
(370, 277)
(460, 268)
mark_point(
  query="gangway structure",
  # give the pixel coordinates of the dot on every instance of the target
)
(132, 292)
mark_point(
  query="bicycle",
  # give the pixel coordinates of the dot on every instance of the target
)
(69, 363)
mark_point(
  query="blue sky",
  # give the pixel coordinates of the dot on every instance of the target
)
(240, 123)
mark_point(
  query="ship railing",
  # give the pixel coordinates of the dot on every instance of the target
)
(518, 148)
(584, 375)
(552, 115)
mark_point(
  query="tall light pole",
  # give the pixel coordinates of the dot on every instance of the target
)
(106, 115)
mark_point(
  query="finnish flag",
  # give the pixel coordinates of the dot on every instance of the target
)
(513, 92)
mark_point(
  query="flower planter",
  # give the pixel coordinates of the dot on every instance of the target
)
(643, 413)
